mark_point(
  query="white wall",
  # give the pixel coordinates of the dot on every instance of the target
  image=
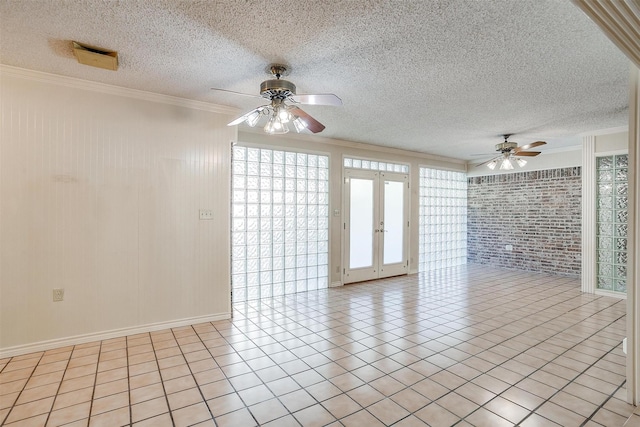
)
(612, 142)
(100, 189)
(337, 150)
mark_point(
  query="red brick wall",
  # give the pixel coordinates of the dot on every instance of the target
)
(538, 213)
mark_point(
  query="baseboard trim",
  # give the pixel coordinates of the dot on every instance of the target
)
(335, 284)
(605, 293)
(105, 335)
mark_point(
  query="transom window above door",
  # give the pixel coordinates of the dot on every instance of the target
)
(375, 165)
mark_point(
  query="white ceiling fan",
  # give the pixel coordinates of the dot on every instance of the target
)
(283, 108)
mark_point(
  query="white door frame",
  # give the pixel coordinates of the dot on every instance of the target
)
(377, 269)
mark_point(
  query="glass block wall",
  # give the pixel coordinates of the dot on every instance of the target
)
(280, 223)
(443, 219)
(375, 165)
(612, 199)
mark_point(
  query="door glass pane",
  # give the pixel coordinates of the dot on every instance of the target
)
(361, 223)
(393, 222)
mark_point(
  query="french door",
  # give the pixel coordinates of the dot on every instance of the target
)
(376, 224)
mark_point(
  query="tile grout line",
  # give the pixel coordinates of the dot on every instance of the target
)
(570, 382)
(332, 361)
(488, 291)
(191, 371)
(23, 387)
(313, 332)
(325, 378)
(287, 349)
(253, 371)
(441, 369)
(511, 358)
(603, 403)
(164, 390)
(521, 352)
(126, 342)
(95, 379)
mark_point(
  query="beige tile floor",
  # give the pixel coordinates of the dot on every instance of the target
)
(467, 346)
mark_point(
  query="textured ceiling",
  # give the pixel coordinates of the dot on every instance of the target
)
(442, 77)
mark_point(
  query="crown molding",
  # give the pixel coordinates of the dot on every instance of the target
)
(39, 76)
(355, 145)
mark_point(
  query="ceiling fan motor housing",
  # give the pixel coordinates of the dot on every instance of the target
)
(505, 147)
(277, 89)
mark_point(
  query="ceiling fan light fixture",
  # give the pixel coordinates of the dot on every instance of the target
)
(506, 164)
(253, 119)
(521, 162)
(299, 124)
(492, 164)
(278, 91)
(275, 126)
(283, 114)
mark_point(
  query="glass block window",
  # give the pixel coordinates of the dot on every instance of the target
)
(443, 219)
(375, 165)
(612, 219)
(280, 223)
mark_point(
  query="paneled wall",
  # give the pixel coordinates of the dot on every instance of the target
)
(100, 192)
(537, 213)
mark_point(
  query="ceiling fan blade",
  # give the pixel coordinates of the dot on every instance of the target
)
(243, 117)
(532, 145)
(236, 93)
(312, 124)
(318, 99)
(526, 153)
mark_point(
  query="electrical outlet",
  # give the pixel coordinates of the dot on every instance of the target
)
(58, 294)
(206, 214)
(509, 247)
